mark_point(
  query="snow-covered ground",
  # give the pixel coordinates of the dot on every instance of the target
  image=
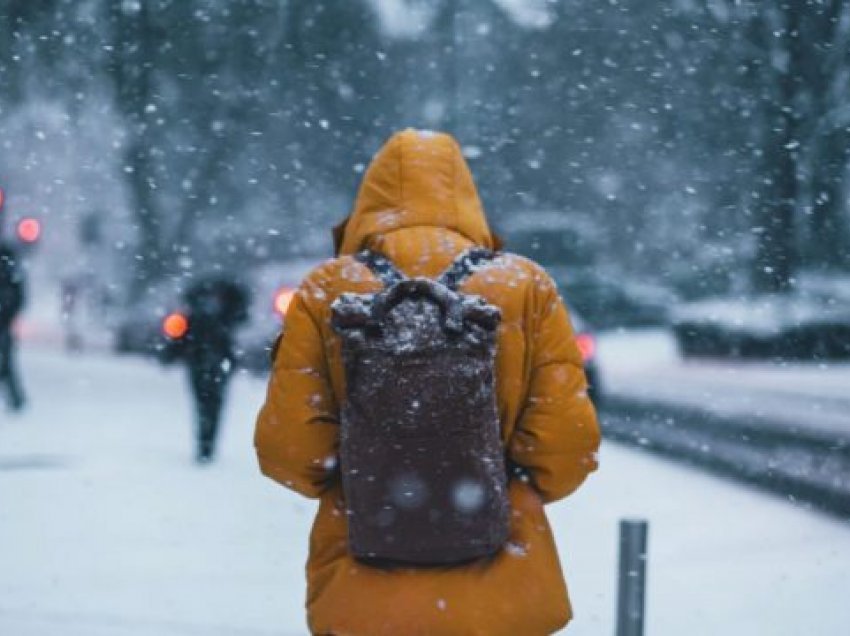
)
(645, 365)
(108, 529)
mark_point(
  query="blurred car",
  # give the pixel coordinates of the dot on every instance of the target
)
(614, 302)
(273, 286)
(553, 237)
(586, 343)
(567, 245)
(139, 328)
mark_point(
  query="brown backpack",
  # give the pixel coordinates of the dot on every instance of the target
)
(423, 468)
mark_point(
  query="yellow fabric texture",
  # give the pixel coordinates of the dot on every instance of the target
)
(419, 206)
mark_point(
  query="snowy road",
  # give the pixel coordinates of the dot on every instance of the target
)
(107, 528)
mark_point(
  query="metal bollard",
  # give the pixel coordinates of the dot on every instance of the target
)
(632, 580)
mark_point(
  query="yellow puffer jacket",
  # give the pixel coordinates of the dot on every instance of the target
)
(418, 205)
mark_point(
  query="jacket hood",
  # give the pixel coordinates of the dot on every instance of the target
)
(418, 178)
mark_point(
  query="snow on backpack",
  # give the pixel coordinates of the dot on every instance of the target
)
(423, 469)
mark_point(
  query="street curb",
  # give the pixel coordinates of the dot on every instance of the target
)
(800, 465)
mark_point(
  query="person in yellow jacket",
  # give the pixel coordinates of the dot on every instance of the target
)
(418, 206)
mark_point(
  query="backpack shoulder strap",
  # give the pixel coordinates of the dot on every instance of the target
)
(464, 266)
(382, 267)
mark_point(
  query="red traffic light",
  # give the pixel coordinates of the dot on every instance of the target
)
(29, 230)
(175, 325)
(586, 345)
(282, 300)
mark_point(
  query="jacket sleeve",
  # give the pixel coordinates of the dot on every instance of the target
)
(296, 436)
(557, 435)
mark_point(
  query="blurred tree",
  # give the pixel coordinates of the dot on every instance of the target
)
(777, 34)
(696, 138)
(793, 59)
(132, 67)
(28, 44)
(829, 71)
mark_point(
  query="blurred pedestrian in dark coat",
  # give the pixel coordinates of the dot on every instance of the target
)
(215, 308)
(11, 301)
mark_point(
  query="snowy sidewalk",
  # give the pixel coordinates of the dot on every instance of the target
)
(645, 366)
(107, 528)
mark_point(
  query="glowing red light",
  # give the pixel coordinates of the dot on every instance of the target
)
(29, 230)
(2, 198)
(282, 300)
(175, 325)
(586, 345)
